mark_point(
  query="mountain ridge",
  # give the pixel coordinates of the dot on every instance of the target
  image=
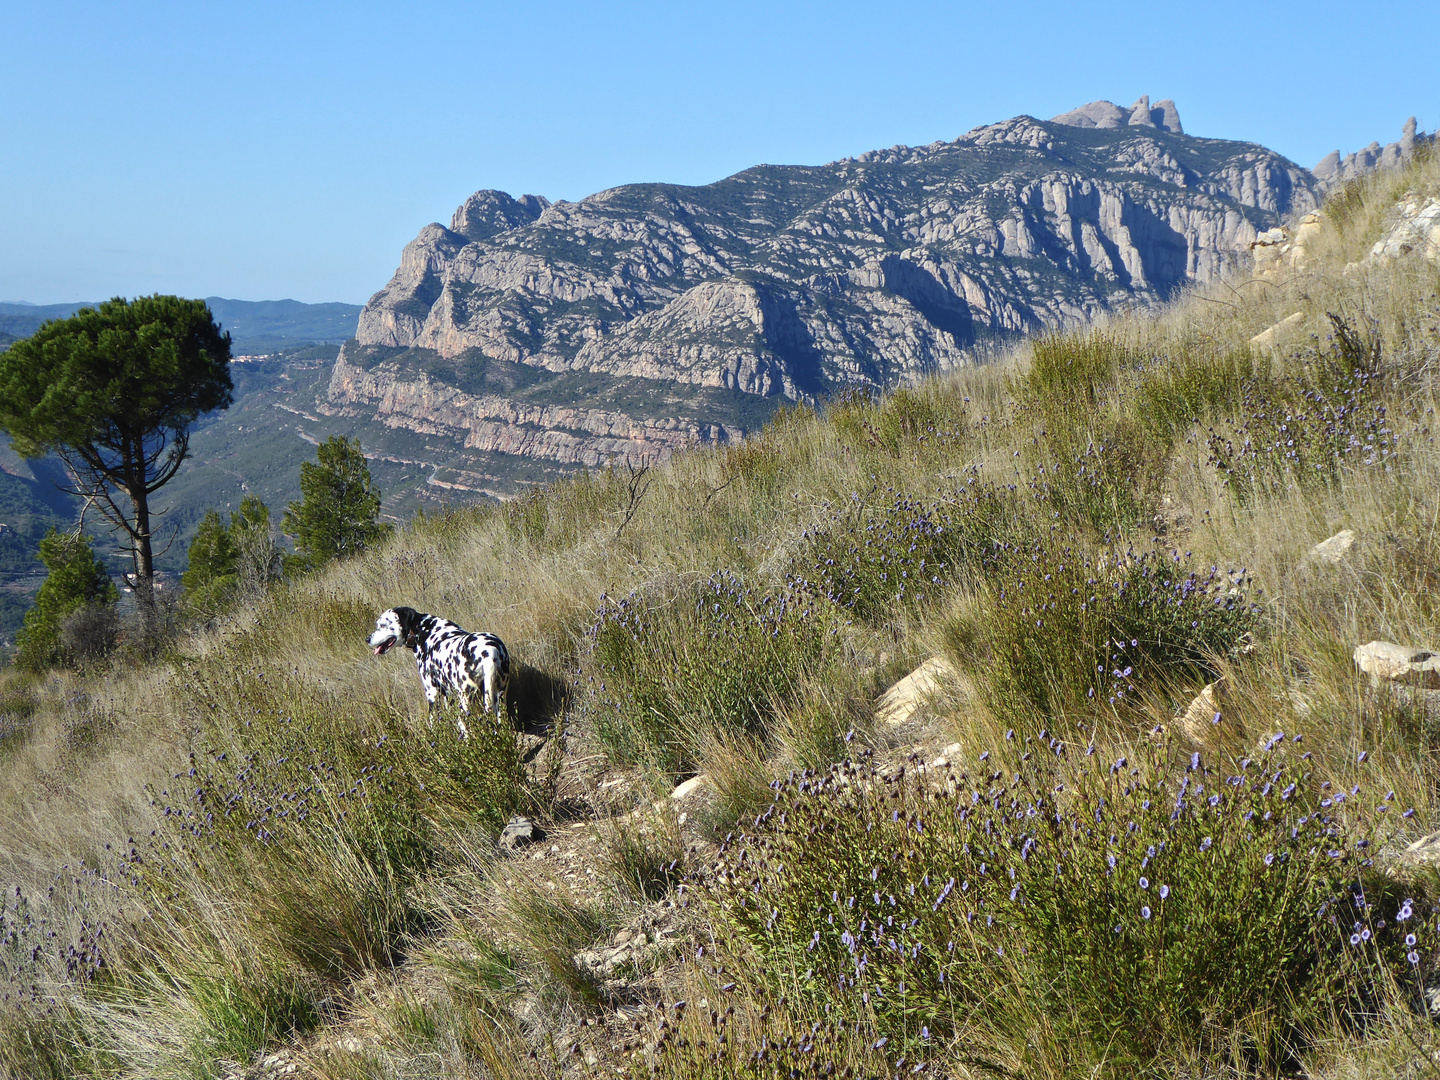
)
(784, 283)
(256, 326)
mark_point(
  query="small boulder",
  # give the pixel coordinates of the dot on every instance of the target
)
(1203, 721)
(901, 701)
(1425, 851)
(1387, 662)
(520, 832)
(1267, 338)
(689, 787)
(1334, 549)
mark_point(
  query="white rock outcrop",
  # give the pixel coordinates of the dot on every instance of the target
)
(1415, 229)
(1403, 665)
(903, 700)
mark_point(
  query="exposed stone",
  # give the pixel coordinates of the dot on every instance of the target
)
(1423, 852)
(1282, 250)
(1385, 661)
(1333, 549)
(899, 703)
(1415, 230)
(520, 832)
(1204, 722)
(1107, 115)
(574, 436)
(690, 787)
(1266, 338)
(950, 754)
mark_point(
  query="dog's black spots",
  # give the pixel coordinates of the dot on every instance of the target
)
(452, 663)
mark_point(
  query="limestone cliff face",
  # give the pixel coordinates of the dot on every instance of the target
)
(498, 424)
(789, 282)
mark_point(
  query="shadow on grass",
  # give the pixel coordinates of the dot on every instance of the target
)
(535, 699)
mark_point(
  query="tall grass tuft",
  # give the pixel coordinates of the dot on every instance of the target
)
(668, 667)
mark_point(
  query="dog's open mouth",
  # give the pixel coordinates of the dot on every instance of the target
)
(385, 646)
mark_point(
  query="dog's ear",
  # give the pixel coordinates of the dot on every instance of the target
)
(409, 624)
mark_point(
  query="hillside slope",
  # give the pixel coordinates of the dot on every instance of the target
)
(1035, 720)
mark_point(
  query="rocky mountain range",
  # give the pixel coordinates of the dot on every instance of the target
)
(1335, 169)
(652, 315)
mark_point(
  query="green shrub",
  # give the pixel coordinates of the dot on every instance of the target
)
(527, 516)
(52, 1043)
(1347, 203)
(77, 579)
(904, 422)
(241, 1014)
(1070, 374)
(1070, 633)
(1142, 909)
(1093, 460)
(778, 1039)
(211, 556)
(1169, 394)
(668, 669)
(553, 929)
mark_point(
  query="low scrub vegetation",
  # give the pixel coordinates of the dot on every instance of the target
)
(1048, 864)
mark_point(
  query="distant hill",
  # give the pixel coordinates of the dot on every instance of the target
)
(256, 326)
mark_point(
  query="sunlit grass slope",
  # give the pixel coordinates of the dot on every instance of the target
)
(260, 844)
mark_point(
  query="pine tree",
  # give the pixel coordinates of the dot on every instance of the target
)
(113, 390)
(212, 557)
(242, 557)
(77, 579)
(338, 515)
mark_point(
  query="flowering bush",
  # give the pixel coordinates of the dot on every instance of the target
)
(1137, 906)
(1074, 631)
(1308, 430)
(877, 558)
(323, 825)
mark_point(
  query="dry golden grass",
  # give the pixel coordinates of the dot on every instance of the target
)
(72, 779)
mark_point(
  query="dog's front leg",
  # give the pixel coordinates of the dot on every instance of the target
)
(432, 698)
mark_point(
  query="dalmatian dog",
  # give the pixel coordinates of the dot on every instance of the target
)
(453, 663)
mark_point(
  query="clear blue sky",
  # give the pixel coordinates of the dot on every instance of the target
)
(266, 150)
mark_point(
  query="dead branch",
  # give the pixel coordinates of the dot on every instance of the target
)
(636, 485)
